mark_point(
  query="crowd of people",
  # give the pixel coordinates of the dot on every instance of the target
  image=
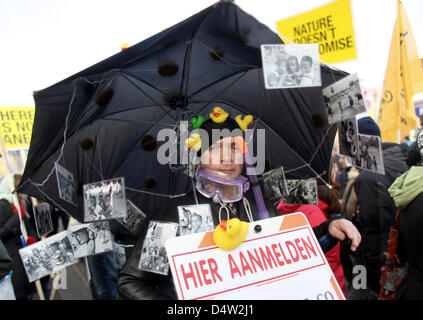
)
(362, 207)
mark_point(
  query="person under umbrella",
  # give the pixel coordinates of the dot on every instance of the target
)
(218, 182)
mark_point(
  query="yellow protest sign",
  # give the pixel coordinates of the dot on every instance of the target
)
(330, 26)
(16, 126)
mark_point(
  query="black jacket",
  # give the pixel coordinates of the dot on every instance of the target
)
(136, 284)
(5, 261)
(10, 235)
(376, 210)
(410, 249)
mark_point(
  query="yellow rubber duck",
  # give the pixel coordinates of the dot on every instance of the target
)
(219, 115)
(243, 123)
(194, 142)
(230, 234)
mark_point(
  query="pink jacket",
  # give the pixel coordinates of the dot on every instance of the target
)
(315, 216)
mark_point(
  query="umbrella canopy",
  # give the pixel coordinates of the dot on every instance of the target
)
(103, 122)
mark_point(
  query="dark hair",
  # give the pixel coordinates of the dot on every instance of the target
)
(294, 58)
(307, 59)
(330, 197)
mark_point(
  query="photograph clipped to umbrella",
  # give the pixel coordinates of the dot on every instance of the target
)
(66, 184)
(301, 192)
(194, 219)
(344, 99)
(90, 238)
(369, 156)
(348, 137)
(153, 255)
(104, 200)
(291, 66)
(47, 256)
(275, 184)
(43, 221)
(133, 219)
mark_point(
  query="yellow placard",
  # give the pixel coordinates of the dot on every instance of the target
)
(16, 126)
(330, 26)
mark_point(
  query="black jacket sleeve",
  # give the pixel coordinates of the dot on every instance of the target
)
(5, 261)
(135, 284)
(9, 222)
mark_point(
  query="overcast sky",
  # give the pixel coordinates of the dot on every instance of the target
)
(45, 41)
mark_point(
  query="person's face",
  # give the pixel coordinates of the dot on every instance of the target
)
(292, 65)
(223, 159)
(305, 66)
(196, 223)
(107, 199)
(92, 201)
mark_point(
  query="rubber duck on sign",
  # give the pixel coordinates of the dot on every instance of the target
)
(244, 123)
(230, 234)
(194, 142)
(219, 115)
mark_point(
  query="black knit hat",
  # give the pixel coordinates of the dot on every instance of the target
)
(219, 126)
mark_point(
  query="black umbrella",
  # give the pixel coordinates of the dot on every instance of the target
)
(103, 122)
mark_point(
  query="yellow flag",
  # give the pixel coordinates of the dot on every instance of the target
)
(403, 79)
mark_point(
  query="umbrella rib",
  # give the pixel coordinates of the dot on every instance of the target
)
(158, 104)
(137, 140)
(214, 98)
(139, 121)
(142, 80)
(219, 80)
(188, 73)
(306, 164)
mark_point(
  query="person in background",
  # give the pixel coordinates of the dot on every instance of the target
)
(407, 192)
(220, 170)
(5, 261)
(10, 235)
(368, 204)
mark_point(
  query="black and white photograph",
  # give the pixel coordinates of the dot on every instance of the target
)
(47, 256)
(189, 168)
(348, 137)
(133, 219)
(195, 219)
(153, 255)
(90, 238)
(43, 221)
(301, 192)
(369, 155)
(275, 184)
(344, 99)
(120, 255)
(104, 200)
(66, 184)
(293, 66)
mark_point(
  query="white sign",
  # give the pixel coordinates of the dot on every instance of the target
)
(283, 261)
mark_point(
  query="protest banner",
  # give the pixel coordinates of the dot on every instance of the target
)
(16, 127)
(330, 26)
(282, 261)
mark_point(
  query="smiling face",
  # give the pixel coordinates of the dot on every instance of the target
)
(292, 65)
(223, 159)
